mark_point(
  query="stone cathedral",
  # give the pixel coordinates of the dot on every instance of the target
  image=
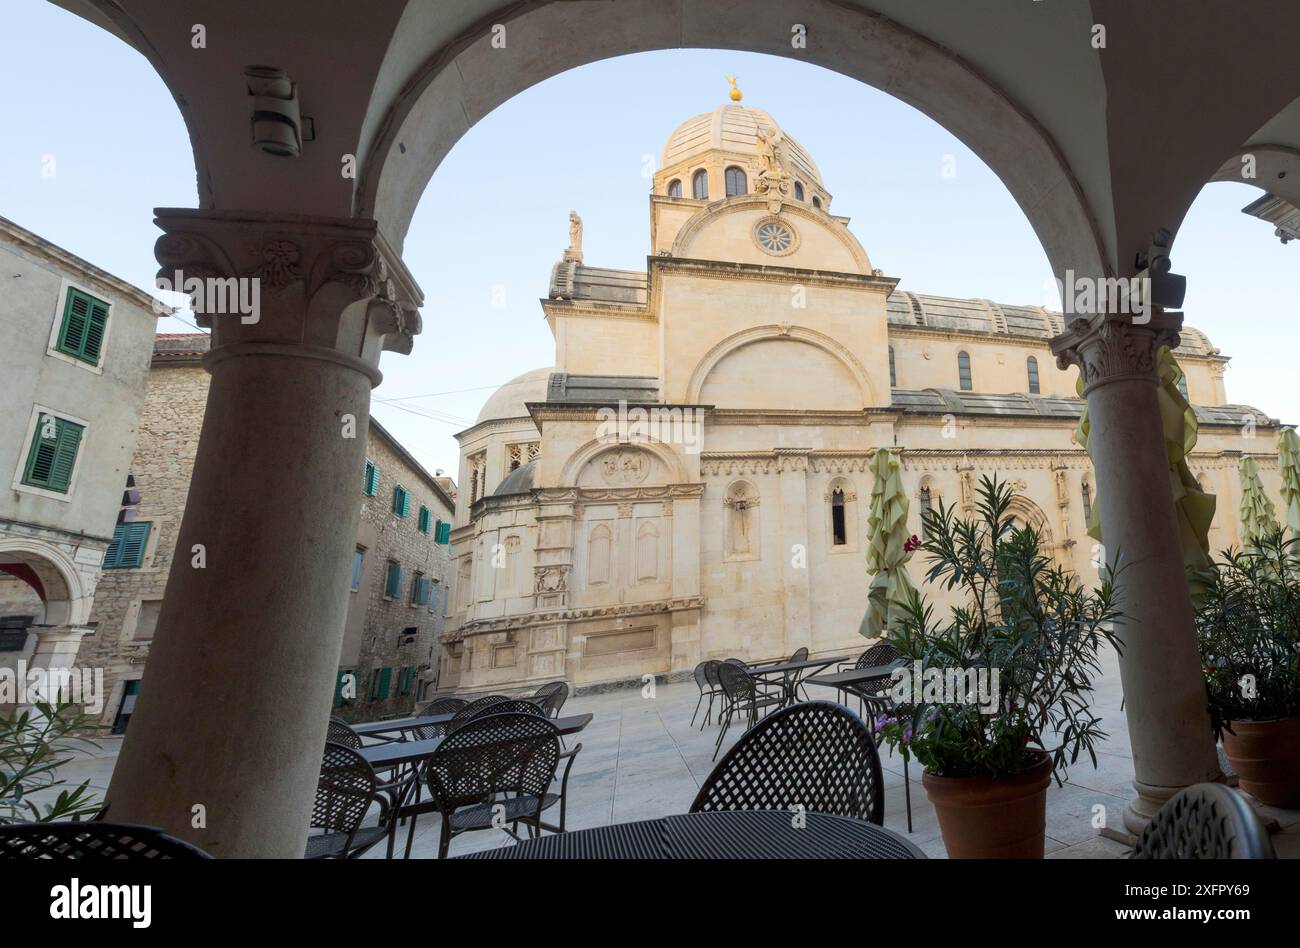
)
(583, 552)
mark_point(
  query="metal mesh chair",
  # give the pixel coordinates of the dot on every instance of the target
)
(74, 840)
(340, 732)
(1205, 821)
(467, 712)
(706, 679)
(817, 755)
(494, 772)
(742, 696)
(551, 697)
(793, 678)
(347, 790)
(437, 706)
(444, 705)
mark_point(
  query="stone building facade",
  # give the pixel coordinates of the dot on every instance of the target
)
(389, 664)
(765, 360)
(74, 361)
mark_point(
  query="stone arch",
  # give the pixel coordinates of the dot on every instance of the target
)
(66, 596)
(1026, 512)
(580, 458)
(726, 347)
(437, 99)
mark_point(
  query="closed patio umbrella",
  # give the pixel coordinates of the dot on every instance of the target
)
(1256, 510)
(1288, 462)
(891, 589)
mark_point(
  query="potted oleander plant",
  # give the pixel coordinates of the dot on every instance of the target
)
(1005, 677)
(1248, 629)
(35, 744)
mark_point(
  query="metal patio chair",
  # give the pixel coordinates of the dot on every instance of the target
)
(347, 791)
(743, 696)
(551, 697)
(494, 771)
(340, 732)
(706, 679)
(93, 841)
(1205, 821)
(817, 755)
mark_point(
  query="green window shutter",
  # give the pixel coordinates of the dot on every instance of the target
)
(406, 503)
(127, 549)
(443, 534)
(338, 687)
(385, 683)
(401, 501)
(393, 584)
(424, 519)
(51, 460)
(85, 320)
(371, 485)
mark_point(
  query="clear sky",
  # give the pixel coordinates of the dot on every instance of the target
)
(495, 216)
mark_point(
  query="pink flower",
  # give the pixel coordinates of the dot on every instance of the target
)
(911, 543)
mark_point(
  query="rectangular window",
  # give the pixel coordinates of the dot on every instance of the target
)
(406, 680)
(130, 692)
(339, 680)
(426, 518)
(146, 623)
(381, 682)
(393, 581)
(371, 485)
(127, 549)
(358, 557)
(84, 320)
(433, 596)
(53, 453)
(401, 501)
(417, 589)
(442, 533)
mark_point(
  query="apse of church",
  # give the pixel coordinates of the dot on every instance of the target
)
(761, 359)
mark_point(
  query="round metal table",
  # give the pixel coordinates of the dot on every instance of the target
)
(724, 834)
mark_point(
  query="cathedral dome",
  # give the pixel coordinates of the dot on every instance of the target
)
(734, 128)
(509, 400)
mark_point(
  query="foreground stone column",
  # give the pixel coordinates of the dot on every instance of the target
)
(224, 745)
(1160, 668)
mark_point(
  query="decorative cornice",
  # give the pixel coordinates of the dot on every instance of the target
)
(577, 614)
(1113, 348)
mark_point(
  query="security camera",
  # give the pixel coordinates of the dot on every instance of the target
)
(277, 125)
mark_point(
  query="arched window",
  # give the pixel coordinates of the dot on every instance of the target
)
(798, 190)
(735, 181)
(926, 506)
(1032, 364)
(817, 202)
(963, 370)
(675, 188)
(839, 531)
(1087, 501)
(700, 185)
(893, 375)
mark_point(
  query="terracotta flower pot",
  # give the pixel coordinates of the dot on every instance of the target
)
(1266, 756)
(993, 818)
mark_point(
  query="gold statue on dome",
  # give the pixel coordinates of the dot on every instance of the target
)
(735, 92)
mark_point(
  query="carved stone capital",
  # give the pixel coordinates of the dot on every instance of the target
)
(261, 280)
(1111, 347)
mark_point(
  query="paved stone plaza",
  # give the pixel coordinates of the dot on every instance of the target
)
(641, 759)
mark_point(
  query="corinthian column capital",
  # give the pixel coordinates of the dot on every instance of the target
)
(1110, 347)
(264, 282)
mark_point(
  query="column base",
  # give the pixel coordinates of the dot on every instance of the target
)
(1143, 807)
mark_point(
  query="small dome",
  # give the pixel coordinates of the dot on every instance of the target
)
(734, 128)
(508, 401)
(518, 481)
